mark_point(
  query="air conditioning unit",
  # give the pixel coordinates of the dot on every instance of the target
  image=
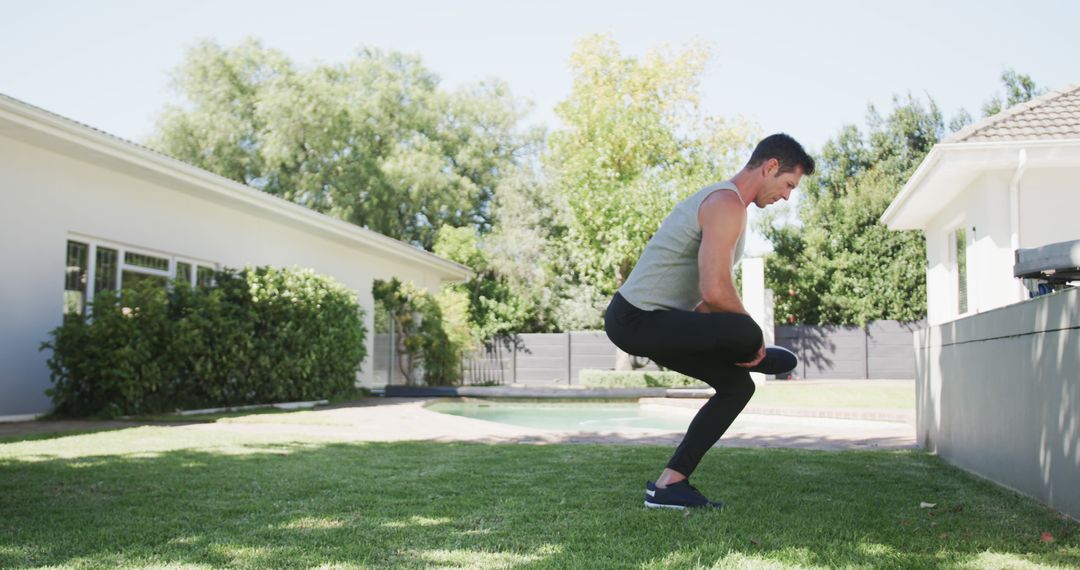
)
(1049, 268)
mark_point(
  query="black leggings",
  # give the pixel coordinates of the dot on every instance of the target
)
(705, 346)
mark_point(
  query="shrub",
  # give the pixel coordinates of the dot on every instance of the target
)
(112, 366)
(259, 335)
(432, 333)
(638, 379)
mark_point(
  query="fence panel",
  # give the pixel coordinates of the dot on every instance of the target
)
(542, 359)
(834, 352)
(883, 349)
(890, 350)
(789, 337)
(491, 364)
(590, 349)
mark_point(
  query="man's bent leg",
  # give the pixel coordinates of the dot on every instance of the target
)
(646, 333)
(734, 388)
(701, 345)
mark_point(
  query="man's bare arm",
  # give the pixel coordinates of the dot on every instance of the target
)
(722, 217)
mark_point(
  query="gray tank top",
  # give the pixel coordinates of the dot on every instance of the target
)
(666, 276)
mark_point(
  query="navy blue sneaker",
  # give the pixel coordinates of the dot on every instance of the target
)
(778, 360)
(679, 495)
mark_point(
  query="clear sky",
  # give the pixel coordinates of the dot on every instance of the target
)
(806, 68)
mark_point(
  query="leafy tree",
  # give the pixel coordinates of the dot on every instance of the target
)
(1019, 88)
(960, 120)
(493, 309)
(374, 141)
(431, 332)
(840, 264)
(633, 144)
(515, 287)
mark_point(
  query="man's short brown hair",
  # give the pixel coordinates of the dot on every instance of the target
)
(786, 150)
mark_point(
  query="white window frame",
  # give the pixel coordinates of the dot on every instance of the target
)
(89, 275)
(122, 250)
(124, 266)
(195, 265)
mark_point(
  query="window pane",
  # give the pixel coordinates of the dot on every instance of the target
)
(204, 276)
(147, 261)
(183, 272)
(130, 278)
(105, 270)
(382, 319)
(75, 278)
(961, 269)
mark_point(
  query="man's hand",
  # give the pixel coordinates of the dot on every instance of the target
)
(756, 361)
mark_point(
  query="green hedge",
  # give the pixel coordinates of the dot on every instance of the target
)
(638, 379)
(259, 335)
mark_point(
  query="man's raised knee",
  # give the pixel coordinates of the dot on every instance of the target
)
(750, 334)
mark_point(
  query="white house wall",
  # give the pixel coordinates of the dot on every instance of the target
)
(940, 274)
(982, 209)
(992, 284)
(1049, 206)
(1049, 201)
(49, 198)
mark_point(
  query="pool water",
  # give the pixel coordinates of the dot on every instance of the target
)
(572, 416)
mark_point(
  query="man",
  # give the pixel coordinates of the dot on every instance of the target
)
(679, 306)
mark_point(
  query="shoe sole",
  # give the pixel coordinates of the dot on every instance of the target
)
(679, 507)
(778, 360)
(659, 506)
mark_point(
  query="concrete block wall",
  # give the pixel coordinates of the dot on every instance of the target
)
(998, 394)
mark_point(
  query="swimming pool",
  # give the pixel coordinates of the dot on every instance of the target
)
(567, 416)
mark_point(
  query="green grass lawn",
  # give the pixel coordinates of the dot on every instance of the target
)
(879, 394)
(162, 496)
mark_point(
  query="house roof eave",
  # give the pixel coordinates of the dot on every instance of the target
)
(950, 167)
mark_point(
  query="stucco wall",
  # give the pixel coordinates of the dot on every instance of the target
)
(998, 394)
(49, 198)
(982, 209)
(1049, 203)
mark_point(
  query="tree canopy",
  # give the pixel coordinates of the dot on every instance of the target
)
(375, 141)
(1019, 88)
(633, 142)
(840, 264)
(553, 223)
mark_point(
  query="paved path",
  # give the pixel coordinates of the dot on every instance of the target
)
(402, 419)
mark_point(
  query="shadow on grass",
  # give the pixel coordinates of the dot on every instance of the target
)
(15, 432)
(52, 427)
(425, 504)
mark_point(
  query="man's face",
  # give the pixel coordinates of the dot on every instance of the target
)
(777, 186)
